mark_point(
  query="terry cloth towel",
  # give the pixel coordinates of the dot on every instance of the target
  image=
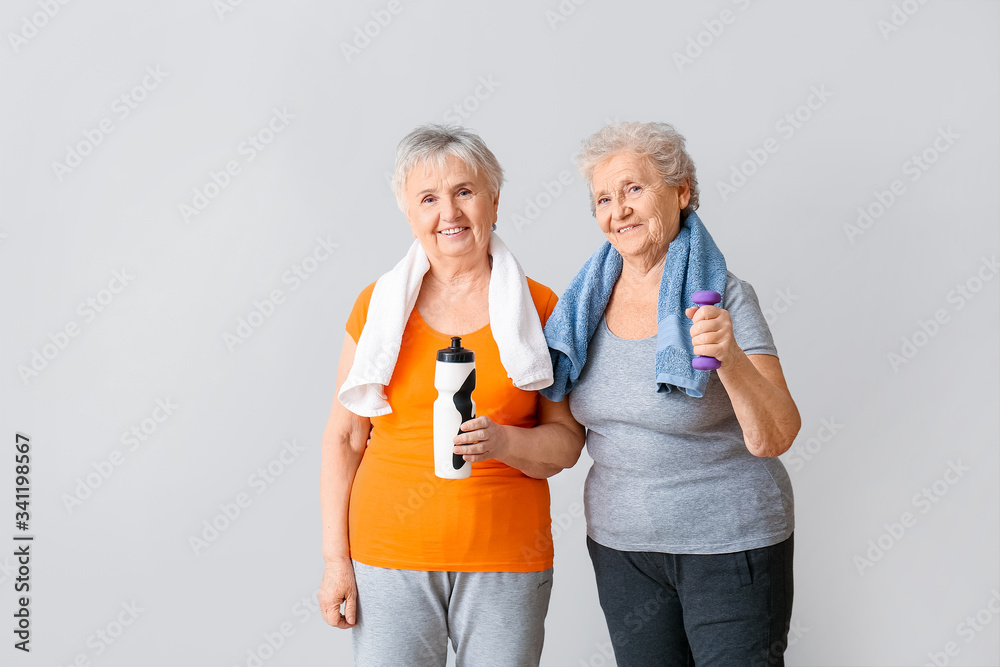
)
(693, 263)
(513, 321)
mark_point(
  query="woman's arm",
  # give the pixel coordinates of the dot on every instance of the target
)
(755, 384)
(762, 402)
(542, 451)
(344, 442)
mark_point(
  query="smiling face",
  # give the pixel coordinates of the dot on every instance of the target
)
(636, 210)
(451, 209)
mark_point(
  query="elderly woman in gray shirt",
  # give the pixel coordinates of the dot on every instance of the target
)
(689, 512)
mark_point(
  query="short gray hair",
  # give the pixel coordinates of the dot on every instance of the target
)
(660, 142)
(434, 143)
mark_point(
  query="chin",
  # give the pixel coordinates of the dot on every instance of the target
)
(631, 244)
(460, 250)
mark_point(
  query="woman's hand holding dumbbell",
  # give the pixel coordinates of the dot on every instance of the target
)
(712, 333)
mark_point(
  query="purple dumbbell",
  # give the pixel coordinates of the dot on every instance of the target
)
(705, 298)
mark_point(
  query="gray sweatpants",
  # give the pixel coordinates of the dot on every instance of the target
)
(405, 617)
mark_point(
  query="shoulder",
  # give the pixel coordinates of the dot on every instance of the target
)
(739, 293)
(364, 298)
(539, 292)
(750, 325)
(366, 293)
(543, 297)
(359, 314)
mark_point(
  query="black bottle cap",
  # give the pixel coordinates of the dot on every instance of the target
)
(456, 354)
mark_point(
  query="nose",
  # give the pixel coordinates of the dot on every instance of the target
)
(621, 209)
(450, 211)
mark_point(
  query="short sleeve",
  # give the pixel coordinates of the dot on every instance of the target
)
(749, 325)
(359, 314)
(544, 299)
(550, 305)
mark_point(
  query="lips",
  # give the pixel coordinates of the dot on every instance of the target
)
(625, 230)
(452, 231)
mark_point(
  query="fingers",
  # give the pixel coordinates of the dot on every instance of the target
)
(474, 447)
(474, 430)
(711, 338)
(477, 451)
(332, 615)
(708, 336)
(698, 313)
(481, 439)
(705, 323)
(715, 351)
(349, 618)
(470, 437)
(712, 332)
(330, 610)
(338, 588)
(481, 422)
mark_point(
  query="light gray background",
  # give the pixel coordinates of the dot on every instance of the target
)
(553, 82)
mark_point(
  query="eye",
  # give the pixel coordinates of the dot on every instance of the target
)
(633, 189)
(465, 192)
(429, 199)
(603, 200)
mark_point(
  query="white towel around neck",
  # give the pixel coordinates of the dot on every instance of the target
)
(513, 321)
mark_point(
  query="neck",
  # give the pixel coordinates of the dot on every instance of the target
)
(459, 276)
(640, 271)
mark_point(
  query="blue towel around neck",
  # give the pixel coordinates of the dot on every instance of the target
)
(693, 263)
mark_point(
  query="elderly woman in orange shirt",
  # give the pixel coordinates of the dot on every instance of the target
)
(413, 559)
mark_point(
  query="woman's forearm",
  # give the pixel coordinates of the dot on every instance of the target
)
(542, 451)
(344, 441)
(340, 461)
(764, 407)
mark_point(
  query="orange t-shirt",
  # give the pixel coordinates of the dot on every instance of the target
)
(404, 517)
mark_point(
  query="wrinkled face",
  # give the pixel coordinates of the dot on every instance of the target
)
(450, 208)
(636, 210)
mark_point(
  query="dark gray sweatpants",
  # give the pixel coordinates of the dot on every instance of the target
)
(406, 617)
(680, 610)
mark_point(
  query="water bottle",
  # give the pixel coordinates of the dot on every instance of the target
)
(454, 379)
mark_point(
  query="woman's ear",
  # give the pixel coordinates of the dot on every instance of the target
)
(684, 194)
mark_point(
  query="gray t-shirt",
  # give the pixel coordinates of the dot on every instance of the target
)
(671, 473)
